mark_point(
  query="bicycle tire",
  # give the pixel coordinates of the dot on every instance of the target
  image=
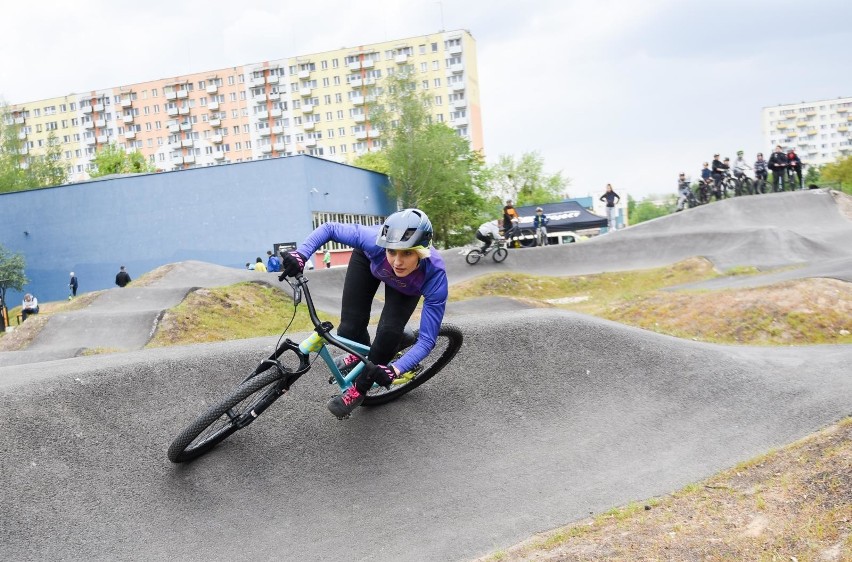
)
(448, 343)
(499, 254)
(473, 256)
(187, 445)
(747, 187)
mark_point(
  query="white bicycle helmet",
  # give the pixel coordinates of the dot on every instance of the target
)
(406, 229)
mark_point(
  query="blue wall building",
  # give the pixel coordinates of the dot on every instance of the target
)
(227, 215)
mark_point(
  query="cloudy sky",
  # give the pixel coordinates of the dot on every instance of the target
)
(606, 91)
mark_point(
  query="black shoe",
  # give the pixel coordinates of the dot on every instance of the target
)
(341, 406)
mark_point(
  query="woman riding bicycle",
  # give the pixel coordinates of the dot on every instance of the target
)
(397, 253)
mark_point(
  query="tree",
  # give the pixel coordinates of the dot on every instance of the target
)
(839, 172)
(524, 181)
(11, 274)
(20, 167)
(113, 159)
(375, 161)
(647, 209)
(430, 166)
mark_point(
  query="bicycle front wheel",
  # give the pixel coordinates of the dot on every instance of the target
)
(473, 256)
(448, 343)
(499, 254)
(527, 239)
(233, 413)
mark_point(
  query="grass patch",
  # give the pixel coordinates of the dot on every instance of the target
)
(807, 311)
(772, 508)
(244, 310)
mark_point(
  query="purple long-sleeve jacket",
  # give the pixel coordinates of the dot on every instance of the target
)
(428, 280)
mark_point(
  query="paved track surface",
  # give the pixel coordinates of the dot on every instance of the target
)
(565, 416)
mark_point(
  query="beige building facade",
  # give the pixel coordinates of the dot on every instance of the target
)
(316, 104)
(818, 130)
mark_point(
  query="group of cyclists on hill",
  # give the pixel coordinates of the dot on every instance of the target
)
(722, 176)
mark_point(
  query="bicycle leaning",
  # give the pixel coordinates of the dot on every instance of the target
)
(497, 249)
(274, 376)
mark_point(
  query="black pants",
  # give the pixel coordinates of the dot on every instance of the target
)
(26, 312)
(359, 288)
(485, 239)
(778, 175)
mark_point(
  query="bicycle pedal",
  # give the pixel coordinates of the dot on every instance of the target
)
(331, 380)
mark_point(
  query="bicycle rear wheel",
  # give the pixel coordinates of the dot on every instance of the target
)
(473, 256)
(448, 343)
(527, 239)
(233, 413)
(499, 254)
(747, 187)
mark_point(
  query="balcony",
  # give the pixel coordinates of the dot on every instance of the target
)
(273, 96)
(401, 58)
(22, 135)
(257, 82)
(262, 115)
(304, 74)
(355, 66)
(460, 104)
(265, 132)
(801, 123)
(86, 110)
(88, 125)
(277, 112)
(374, 134)
(183, 111)
(187, 143)
(100, 123)
(216, 139)
(458, 86)
(279, 147)
(182, 94)
(842, 128)
(842, 109)
(790, 116)
(98, 107)
(130, 135)
(215, 122)
(172, 111)
(309, 126)
(174, 128)
(455, 50)
(812, 132)
(790, 134)
(171, 95)
(307, 109)
(305, 92)
(219, 155)
(462, 121)
(368, 63)
(357, 100)
(213, 106)
(310, 142)
(266, 149)
(20, 120)
(273, 79)
(356, 82)
(359, 118)
(127, 118)
(261, 99)
(811, 113)
(186, 126)
(278, 130)
(781, 126)
(23, 151)
(212, 89)
(126, 102)
(457, 68)
(361, 135)
(189, 159)
(103, 139)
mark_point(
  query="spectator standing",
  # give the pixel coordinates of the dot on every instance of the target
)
(273, 262)
(611, 198)
(258, 265)
(326, 258)
(509, 214)
(683, 190)
(761, 175)
(122, 278)
(718, 168)
(72, 286)
(795, 163)
(540, 224)
(29, 306)
(778, 165)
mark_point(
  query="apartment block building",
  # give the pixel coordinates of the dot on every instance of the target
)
(315, 104)
(819, 130)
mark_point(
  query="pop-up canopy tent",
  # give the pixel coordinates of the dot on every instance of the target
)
(568, 215)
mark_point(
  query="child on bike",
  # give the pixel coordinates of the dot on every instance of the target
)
(761, 174)
(487, 233)
(683, 190)
(399, 254)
